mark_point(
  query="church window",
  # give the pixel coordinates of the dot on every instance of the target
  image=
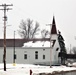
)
(36, 54)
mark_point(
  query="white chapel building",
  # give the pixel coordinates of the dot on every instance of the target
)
(35, 54)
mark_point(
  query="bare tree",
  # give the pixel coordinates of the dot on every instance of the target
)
(28, 29)
(44, 33)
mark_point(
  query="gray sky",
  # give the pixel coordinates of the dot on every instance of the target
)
(42, 11)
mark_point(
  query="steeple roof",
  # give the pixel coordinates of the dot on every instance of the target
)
(53, 29)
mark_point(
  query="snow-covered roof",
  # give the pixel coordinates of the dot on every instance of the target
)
(38, 44)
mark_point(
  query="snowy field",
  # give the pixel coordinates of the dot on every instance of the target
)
(24, 69)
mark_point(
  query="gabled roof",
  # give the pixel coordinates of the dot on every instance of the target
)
(19, 42)
(53, 29)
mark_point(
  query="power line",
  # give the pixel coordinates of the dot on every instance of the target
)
(27, 13)
(5, 19)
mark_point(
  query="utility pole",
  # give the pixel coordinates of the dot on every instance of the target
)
(14, 51)
(50, 44)
(5, 19)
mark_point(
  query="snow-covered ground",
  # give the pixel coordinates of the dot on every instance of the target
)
(24, 69)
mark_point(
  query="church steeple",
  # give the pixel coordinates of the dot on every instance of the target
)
(53, 29)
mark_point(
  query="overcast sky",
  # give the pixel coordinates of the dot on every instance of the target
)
(42, 11)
